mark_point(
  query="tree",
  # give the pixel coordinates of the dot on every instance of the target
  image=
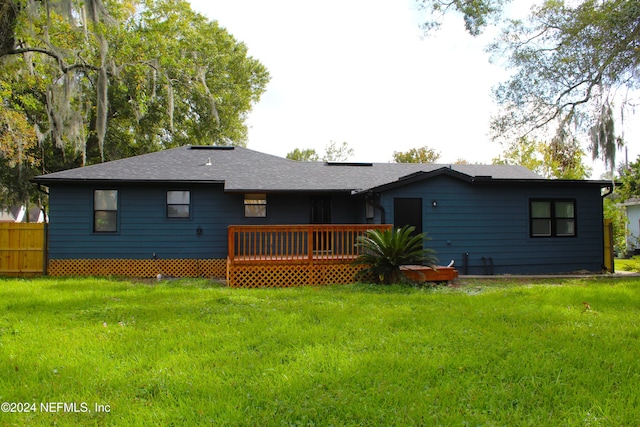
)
(630, 181)
(101, 81)
(616, 213)
(575, 66)
(332, 153)
(571, 65)
(416, 155)
(523, 152)
(477, 14)
(18, 154)
(304, 155)
(335, 153)
(604, 141)
(563, 158)
(557, 160)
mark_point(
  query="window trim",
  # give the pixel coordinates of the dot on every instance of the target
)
(167, 204)
(255, 201)
(95, 211)
(553, 218)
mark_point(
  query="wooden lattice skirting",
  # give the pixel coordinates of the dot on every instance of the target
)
(288, 275)
(239, 275)
(138, 267)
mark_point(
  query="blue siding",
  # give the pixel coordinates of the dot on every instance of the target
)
(492, 221)
(143, 228)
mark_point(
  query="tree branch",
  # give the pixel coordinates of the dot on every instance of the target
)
(63, 67)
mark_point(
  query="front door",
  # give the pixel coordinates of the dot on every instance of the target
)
(320, 209)
(408, 211)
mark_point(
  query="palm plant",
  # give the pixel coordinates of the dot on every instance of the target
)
(384, 251)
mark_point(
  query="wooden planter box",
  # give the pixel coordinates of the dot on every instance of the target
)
(421, 273)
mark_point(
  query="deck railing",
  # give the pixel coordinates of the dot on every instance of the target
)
(296, 243)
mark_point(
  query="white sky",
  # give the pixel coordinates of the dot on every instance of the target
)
(359, 71)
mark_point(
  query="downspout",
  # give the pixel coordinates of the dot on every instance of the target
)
(465, 263)
(609, 189)
(45, 251)
(374, 198)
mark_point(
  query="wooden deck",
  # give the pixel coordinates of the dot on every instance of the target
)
(267, 244)
(290, 255)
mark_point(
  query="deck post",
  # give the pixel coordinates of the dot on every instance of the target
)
(310, 238)
(230, 242)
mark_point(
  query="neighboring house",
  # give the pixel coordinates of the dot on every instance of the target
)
(12, 214)
(632, 209)
(19, 214)
(133, 215)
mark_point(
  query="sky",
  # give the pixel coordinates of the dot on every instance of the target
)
(362, 72)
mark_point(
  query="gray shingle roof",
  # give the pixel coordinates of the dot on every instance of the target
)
(242, 169)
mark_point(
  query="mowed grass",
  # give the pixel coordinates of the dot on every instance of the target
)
(191, 352)
(631, 265)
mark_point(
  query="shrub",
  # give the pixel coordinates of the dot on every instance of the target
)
(384, 251)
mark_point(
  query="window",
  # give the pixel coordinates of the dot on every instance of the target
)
(553, 218)
(105, 211)
(369, 210)
(255, 205)
(178, 204)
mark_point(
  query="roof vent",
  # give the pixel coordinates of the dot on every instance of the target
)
(211, 147)
(347, 164)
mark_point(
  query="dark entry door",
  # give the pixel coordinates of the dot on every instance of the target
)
(320, 210)
(408, 211)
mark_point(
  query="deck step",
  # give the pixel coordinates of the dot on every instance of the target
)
(422, 273)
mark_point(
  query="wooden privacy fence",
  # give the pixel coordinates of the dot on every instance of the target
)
(289, 255)
(22, 249)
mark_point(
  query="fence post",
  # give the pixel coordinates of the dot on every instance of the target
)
(609, 264)
(45, 249)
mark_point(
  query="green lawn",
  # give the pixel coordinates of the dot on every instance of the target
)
(631, 265)
(191, 352)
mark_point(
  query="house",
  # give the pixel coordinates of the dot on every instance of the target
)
(193, 210)
(19, 214)
(632, 210)
(12, 214)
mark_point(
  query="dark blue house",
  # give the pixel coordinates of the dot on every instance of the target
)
(169, 212)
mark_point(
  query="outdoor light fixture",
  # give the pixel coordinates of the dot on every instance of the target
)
(434, 203)
(199, 231)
